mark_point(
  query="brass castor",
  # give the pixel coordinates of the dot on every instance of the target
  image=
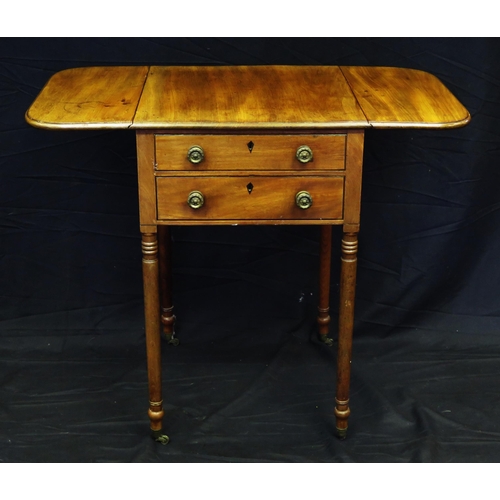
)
(169, 337)
(159, 437)
(326, 340)
(342, 433)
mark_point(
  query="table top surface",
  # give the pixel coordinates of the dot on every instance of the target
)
(245, 97)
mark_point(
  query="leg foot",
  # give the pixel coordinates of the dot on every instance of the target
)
(342, 433)
(326, 340)
(169, 337)
(159, 437)
(168, 321)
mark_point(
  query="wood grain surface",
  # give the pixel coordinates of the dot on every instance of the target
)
(404, 98)
(228, 198)
(84, 98)
(266, 98)
(266, 152)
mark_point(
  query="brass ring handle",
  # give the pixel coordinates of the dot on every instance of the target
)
(195, 154)
(304, 154)
(195, 199)
(303, 200)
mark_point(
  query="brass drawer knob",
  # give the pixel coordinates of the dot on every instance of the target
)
(303, 200)
(304, 154)
(195, 154)
(195, 199)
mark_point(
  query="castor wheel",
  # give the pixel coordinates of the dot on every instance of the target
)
(159, 437)
(326, 340)
(341, 433)
(169, 337)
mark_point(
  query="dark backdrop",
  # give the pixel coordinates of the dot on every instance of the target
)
(249, 381)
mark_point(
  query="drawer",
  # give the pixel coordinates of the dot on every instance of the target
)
(250, 152)
(250, 198)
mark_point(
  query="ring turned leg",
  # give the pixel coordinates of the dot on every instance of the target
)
(346, 324)
(167, 308)
(325, 258)
(153, 339)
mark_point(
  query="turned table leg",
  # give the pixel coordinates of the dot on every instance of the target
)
(167, 308)
(325, 258)
(153, 338)
(346, 324)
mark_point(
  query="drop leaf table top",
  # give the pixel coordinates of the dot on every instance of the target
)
(236, 97)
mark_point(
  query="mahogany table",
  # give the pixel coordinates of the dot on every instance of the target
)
(247, 145)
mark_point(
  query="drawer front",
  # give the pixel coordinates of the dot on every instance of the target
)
(250, 152)
(250, 198)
